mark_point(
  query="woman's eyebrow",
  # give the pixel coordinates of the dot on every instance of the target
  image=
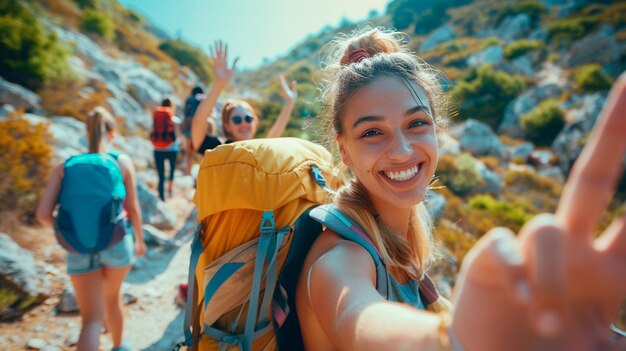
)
(364, 119)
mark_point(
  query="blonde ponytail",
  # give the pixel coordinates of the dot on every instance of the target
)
(99, 123)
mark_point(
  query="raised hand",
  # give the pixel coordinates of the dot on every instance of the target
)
(555, 286)
(289, 93)
(219, 57)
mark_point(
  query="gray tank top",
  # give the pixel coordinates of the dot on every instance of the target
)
(407, 293)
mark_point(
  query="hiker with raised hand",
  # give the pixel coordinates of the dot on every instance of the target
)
(239, 121)
(551, 288)
(164, 137)
(97, 198)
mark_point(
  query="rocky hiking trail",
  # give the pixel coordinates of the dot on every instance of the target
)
(153, 319)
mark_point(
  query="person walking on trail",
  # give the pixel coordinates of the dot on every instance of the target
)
(555, 286)
(99, 222)
(164, 137)
(191, 105)
(239, 121)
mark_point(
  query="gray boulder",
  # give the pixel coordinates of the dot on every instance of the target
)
(154, 211)
(513, 27)
(6, 110)
(600, 47)
(440, 35)
(477, 138)
(521, 151)
(435, 204)
(524, 103)
(492, 55)
(581, 121)
(24, 285)
(18, 96)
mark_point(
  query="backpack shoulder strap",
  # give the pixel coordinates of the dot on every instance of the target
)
(330, 216)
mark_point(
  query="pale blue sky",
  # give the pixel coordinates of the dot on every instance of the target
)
(254, 29)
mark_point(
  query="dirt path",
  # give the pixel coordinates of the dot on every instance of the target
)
(153, 322)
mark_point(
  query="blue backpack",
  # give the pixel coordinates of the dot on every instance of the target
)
(91, 214)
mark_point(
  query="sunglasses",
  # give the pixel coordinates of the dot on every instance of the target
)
(239, 119)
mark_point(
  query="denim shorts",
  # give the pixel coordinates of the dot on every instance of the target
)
(117, 256)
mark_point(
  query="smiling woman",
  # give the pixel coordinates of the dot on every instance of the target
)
(552, 287)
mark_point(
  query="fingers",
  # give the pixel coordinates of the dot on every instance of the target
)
(597, 170)
(497, 257)
(612, 243)
(507, 253)
(544, 244)
(283, 82)
(235, 63)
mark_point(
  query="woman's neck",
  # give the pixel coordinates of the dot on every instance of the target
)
(397, 219)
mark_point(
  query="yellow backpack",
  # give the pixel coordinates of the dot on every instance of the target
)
(249, 196)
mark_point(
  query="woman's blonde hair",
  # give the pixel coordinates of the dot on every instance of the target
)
(350, 63)
(99, 123)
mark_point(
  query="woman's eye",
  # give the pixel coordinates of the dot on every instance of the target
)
(417, 123)
(370, 133)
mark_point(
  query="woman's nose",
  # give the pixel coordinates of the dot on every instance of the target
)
(400, 149)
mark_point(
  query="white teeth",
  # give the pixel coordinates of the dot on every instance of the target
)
(402, 175)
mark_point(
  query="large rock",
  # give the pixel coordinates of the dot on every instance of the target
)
(477, 138)
(600, 47)
(133, 87)
(492, 55)
(524, 103)
(513, 27)
(581, 120)
(22, 284)
(18, 96)
(435, 204)
(440, 35)
(491, 182)
(139, 149)
(154, 211)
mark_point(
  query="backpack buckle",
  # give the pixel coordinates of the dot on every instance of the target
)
(267, 222)
(318, 176)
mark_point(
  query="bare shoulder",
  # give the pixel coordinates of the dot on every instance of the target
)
(126, 164)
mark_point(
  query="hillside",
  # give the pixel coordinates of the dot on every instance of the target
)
(527, 80)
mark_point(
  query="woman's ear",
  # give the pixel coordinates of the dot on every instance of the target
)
(111, 135)
(345, 157)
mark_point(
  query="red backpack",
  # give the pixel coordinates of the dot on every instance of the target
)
(163, 133)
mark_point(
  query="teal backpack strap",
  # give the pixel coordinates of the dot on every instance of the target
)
(196, 251)
(330, 216)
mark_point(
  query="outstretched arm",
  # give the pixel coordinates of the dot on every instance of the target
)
(289, 93)
(342, 297)
(222, 75)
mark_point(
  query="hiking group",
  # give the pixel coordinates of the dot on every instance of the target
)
(302, 248)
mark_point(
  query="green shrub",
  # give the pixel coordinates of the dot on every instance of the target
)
(534, 9)
(521, 47)
(570, 29)
(484, 93)
(189, 56)
(591, 78)
(97, 22)
(455, 240)
(31, 54)
(484, 213)
(459, 173)
(543, 123)
(24, 166)
(88, 4)
(528, 187)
